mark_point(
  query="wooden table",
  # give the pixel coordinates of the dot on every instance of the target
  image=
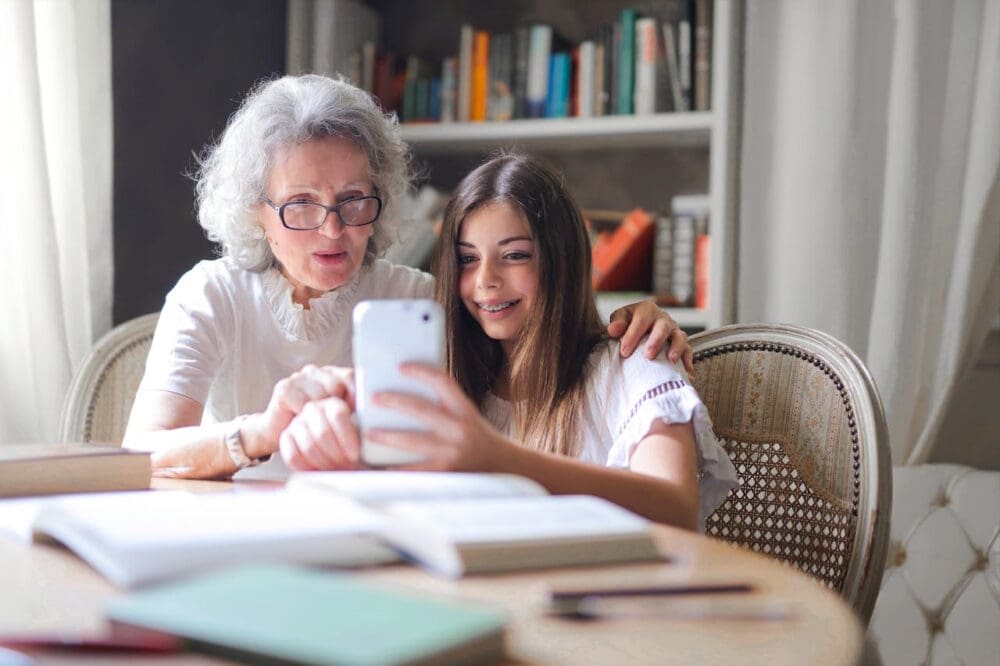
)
(47, 589)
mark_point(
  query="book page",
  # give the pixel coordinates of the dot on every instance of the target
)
(522, 518)
(380, 487)
(124, 521)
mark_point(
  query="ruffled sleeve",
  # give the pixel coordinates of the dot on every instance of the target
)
(637, 392)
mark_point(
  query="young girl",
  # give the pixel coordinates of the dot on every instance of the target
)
(556, 402)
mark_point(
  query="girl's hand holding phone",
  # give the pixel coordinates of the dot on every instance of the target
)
(457, 437)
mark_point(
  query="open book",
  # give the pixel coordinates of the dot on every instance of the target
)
(449, 523)
(457, 523)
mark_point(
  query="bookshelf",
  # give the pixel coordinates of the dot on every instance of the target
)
(613, 161)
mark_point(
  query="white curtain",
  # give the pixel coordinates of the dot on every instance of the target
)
(56, 171)
(870, 203)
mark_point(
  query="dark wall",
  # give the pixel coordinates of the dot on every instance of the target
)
(179, 71)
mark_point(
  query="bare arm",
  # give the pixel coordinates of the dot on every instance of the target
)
(169, 425)
(660, 484)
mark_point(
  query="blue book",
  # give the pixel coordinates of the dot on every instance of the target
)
(280, 614)
(557, 104)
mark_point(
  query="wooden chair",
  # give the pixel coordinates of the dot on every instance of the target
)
(97, 405)
(803, 423)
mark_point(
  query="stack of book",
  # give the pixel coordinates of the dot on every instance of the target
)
(639, 64)
(666, 254)
(680, 254)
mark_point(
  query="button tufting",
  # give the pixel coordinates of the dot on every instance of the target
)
(935, 624)
(982, 562)
(897, 554)
(944, 500)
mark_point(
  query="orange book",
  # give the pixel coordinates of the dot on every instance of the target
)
(623, 259)
(702, 246)
(480, 75)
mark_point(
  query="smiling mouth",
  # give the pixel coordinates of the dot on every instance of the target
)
(497, 307)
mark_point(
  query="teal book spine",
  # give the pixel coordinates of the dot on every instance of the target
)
(626, 62)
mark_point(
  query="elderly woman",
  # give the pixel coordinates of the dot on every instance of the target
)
(300, 192)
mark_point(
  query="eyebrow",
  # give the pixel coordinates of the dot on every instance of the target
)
(505, 241)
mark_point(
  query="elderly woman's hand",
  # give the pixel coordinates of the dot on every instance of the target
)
(323, 436)
(631, 322)
(291, 396)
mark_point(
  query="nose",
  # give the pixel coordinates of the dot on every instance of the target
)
(487, 277)
(332, 226)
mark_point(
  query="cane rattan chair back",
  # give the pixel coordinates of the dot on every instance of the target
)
(100, 396)
(802, 421)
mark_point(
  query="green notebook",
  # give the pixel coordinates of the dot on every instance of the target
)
(280, 614)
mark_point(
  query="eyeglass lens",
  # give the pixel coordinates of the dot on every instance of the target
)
(356, 212)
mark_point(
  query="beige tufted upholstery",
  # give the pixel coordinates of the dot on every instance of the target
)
(801, 419)
(100, 397)
(940, 598)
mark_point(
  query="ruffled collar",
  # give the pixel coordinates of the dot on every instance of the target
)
(325, 313)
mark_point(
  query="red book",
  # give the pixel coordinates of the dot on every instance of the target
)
(623, 259)
(702, 246)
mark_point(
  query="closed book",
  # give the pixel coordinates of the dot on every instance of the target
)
(280, 614)
(663, 261)
(434, 100)
(609, 52)
(480, 75)
(682, 275)
(464, 87)
(539, 53)
(626, 62)
(685, 50)
(702, 254)
(449, 91)
(703, 56)
(522, 41)
(678, 102)
(585, 79)
(623, 260)
(47, 469)
(557, 103)
(423, 99)
(500, 101)
(644, 97)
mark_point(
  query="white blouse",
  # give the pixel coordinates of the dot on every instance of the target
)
(226, 335)
(625, 398)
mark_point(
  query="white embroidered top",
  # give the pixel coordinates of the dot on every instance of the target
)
(226, 335)
(626, 396)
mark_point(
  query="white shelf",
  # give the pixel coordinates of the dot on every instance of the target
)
(654, 131)
(609, 301)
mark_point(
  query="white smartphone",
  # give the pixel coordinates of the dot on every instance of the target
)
(387, 333)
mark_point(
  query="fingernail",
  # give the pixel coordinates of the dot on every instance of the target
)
(626, 350)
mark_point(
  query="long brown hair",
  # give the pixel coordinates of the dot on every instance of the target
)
(549, 367)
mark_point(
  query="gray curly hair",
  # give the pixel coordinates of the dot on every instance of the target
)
(279, 113)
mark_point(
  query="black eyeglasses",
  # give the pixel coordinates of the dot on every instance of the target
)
(308, 215)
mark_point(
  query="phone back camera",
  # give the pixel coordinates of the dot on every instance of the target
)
(426, 317)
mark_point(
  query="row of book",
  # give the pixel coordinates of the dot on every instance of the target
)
(666, 255)
(638, 65)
